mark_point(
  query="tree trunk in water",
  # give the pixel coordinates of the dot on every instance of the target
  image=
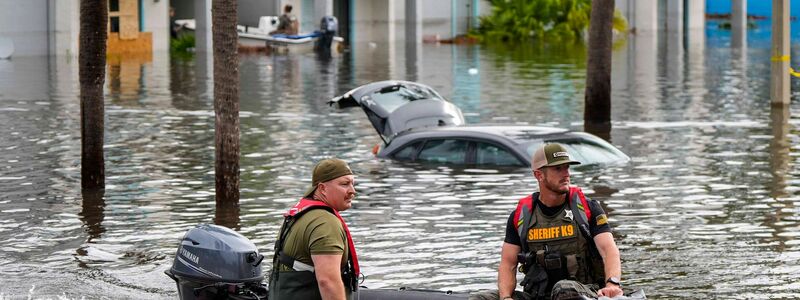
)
(227, 214)
(92, 73)
(597, 110)
(226, 99)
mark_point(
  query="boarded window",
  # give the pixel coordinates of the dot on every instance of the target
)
(114, 26)
(113, 5)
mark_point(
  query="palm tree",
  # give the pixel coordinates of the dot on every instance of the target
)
(92, 60)
(226, 100)
(597, 110)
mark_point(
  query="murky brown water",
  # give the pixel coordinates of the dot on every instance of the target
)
(708, 208)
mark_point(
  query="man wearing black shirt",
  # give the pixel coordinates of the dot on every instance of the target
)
(554, 233)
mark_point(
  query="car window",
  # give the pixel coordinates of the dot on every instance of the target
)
(590, 153)
(444, 151)
(391, 98)
(407, 152)
(489, 154)
(586, 152)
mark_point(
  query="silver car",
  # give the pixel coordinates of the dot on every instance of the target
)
(417, 124)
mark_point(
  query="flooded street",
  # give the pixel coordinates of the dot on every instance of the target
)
(709, 206)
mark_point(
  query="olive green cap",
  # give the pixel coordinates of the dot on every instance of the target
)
(326, 170)
(549, 155)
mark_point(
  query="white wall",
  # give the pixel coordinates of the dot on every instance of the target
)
(156, 20)
(436, 18)
(25, 24)
(374, 21)
(438, 14)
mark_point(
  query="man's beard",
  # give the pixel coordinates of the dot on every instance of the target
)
(555, 187)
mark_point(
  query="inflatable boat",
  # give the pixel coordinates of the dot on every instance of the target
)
(214, 262)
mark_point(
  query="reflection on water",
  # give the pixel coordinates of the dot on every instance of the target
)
(707, 208)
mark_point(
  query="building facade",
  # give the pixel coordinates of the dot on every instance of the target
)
(52, 27)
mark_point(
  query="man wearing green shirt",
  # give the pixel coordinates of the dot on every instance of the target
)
(315, 256)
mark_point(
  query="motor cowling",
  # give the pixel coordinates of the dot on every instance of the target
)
(214, 262)
(329, 24)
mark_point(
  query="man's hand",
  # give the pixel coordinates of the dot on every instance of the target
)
(611, 291)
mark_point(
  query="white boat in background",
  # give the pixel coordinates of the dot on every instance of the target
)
(260, 37)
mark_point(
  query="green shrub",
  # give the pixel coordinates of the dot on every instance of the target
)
(553, 20)
(183, 43)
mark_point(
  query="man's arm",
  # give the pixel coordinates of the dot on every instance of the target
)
(327, 268)
(610, 253)
(507, 271)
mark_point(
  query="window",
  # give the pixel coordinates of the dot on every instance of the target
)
(114, 26)
(113, 5)
(585, 151)
(589, 153)
(488, 154)
(407, 152)
(392, 97)
(444, 151)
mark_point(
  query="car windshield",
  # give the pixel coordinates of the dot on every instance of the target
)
(392, 97)
(584, 151)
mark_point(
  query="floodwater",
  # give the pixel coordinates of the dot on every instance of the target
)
(709, 207)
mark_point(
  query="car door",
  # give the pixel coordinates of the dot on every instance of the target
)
(444, 151)
(487, 153)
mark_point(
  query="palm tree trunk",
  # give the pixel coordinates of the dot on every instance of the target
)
(597, 111)
(226, 99)
(92, 60)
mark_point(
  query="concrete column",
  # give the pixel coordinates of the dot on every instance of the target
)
(696, 15)
(322, 8)
(453, 19)
(413, 21)
(739, 23)
(641, 68)
(64, 27)
(202, 20)
(413, 44)
(642, 15)
(675, 15)
(695, 41)
(156, 77)
(156, 21)
(476, 11)
(779, 150)
(780, 89)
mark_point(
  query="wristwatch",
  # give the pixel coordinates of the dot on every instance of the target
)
(614, 280)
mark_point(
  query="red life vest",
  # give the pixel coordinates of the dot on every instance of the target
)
(306, 204)
(576, 198)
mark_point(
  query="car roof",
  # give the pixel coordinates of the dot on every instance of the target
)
(518, 138)
(515, 133)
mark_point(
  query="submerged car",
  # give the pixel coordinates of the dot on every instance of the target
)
(417, 124)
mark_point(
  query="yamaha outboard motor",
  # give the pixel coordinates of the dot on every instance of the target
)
(327, 27)
(214, 262)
